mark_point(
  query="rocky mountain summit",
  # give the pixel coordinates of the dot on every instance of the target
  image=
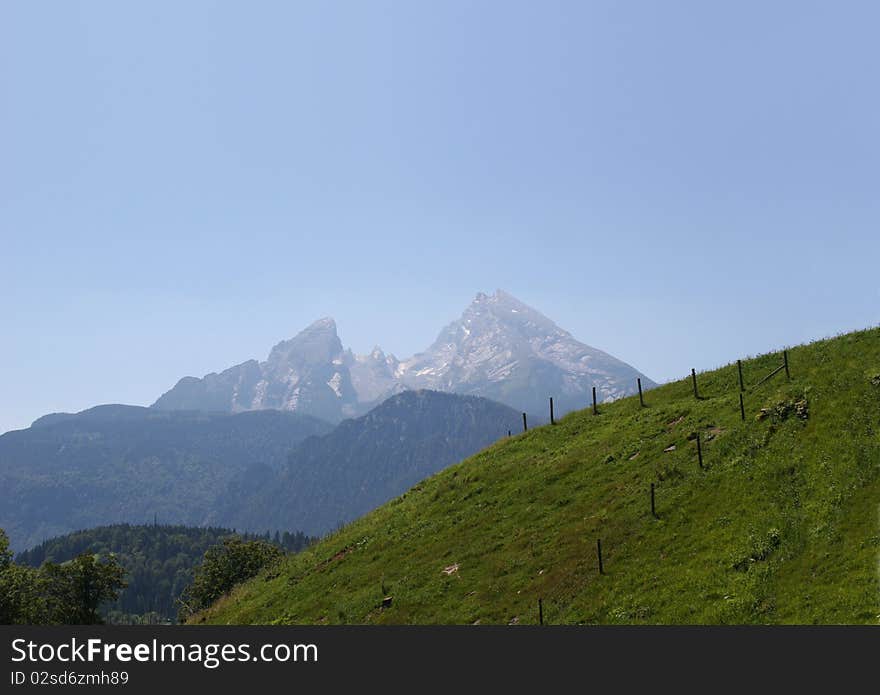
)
(500, 349)
(505, 350)
(309, 374)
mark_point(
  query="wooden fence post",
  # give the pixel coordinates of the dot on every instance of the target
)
(739, 368)
(552, 419)
(742, 408)
(699, 451)
(525, 424)
(595, 407)
(599, 554)
(694, 379)
(653, 508)
(641, 398)
(785, 362)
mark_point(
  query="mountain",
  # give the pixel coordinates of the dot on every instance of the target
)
(778, 524)
(500, 349)
(374, 376)
(265, 469)
(118, 463)
(158, 560)
(364, 462)
(503, 349)
(306, 374)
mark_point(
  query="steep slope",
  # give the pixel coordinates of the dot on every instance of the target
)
(779, 526)
(119, 463)
(504, 350)
(500, 349)
(364, 462)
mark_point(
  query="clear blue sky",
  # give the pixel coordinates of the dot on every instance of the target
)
(183, 184)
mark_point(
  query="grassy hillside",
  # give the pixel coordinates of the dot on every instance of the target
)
(780, 526)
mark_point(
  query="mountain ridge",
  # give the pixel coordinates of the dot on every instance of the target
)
(500, 348)
(114, 464)
(124, 464)
(333, 478)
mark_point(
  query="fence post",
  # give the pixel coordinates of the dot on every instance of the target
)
(595, 407)
(699, 451)
(509, 434)
(785, 362)
(599, 554)
(525, 424)
(552, 419)
(653, 508)
(742, 408)
(694, 379)
(739, 368)
(641, 399)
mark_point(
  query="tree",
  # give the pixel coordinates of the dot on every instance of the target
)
(224, 566)
(76, 589)
(5, 552)
(22, 596)
(21, 600)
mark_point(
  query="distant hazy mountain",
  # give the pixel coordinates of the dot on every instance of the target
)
(366, 461)
(254, 471)
(500, 348)
(126, 464)
(306, 374)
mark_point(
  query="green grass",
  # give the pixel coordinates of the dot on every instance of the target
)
(781, 526)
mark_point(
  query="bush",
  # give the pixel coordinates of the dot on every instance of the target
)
(224, 566)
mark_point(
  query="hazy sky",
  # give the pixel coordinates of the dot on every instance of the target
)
(183, 184)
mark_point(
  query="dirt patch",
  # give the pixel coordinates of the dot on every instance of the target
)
(338, 556)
